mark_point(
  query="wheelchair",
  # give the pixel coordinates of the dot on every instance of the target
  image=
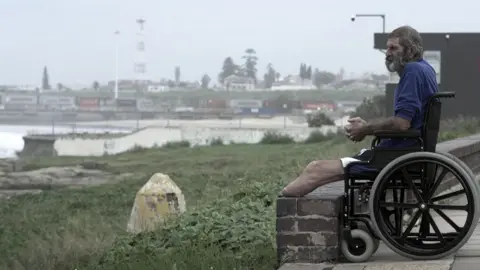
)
(404, 183)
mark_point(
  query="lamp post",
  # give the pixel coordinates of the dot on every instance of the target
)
(117, 33)
(381, 16)
(443, 80)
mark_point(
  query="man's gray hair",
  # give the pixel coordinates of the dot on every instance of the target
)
(410, 40)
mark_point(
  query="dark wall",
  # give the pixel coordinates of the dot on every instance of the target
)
(460, 68)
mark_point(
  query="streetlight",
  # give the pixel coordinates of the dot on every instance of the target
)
(382, 16)
(442, 80)
(117, 33)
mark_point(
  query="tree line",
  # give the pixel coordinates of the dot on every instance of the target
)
(249, 70)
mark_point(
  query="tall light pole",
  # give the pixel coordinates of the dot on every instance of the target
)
(443, 80)
(381, 16)
(117, 33)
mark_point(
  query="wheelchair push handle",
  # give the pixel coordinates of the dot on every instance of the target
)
(444, 95)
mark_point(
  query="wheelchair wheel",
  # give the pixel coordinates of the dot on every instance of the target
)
(464, 166)
(438, 234)
(360, 248)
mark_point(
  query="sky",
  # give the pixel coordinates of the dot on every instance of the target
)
(75, 39)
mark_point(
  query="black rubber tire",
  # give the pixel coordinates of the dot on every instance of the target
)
(470, 182)
(463, 164)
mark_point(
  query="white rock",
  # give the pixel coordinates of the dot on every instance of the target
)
(154, 202)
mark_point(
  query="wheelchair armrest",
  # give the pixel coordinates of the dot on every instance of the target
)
(411, 133)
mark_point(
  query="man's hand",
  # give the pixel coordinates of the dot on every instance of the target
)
(357, 130)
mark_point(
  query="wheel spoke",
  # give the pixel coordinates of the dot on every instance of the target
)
(398, 205)
(448, 195)
(436, 183)
(434, 226)
(447, 219)
(408, 179)
(448, 207)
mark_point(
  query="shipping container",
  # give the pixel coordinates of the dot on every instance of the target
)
(320, 106)
(145, 105)
(282, 106)
(107, 104)
(246, 111)
(245, 103)
(88, 104)
(126, 105)
(266, 112)
(57, 102)
(20, 99)
(213, 103)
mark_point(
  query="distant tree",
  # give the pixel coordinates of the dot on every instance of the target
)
(321, 78)
(45, 80)
(318, 119)
(95, 85)
(303, 71)
(277, 76)
(177, 75)
(371, 108)
(251, 60)
(229, 68)
(205, 81)
(269, 77)
(308, 73)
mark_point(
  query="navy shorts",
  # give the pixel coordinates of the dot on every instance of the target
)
(363, 155)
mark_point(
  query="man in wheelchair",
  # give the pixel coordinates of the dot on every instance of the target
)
(417, 84)
(402, 162)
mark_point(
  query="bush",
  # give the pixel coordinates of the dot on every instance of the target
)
(178, 144)
(318, 136)
(231, 226)
(137, 148)
(216, 141)
(318, 119)
(371, 108)
(271, 137)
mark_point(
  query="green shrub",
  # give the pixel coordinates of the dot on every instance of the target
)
(177, 144)
(318, 136)
(231, 227)
(318, 119)
(216, 141)
(137, 148)
(271, 137)
(371, 108)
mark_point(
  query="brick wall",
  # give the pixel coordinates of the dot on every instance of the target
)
(308, 227)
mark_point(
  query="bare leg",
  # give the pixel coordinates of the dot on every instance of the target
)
(316, 174)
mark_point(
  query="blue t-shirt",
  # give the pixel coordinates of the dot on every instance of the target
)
(417, 83)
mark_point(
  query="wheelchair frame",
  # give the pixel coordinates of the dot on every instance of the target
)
(381, 157)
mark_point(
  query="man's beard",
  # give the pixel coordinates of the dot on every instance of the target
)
(394, 63)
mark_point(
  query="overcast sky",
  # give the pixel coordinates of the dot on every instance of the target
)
(75, 38)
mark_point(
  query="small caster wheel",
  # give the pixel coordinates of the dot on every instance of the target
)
(376, 241)
(360, 248)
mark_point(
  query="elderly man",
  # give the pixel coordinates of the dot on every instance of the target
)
(417, 83)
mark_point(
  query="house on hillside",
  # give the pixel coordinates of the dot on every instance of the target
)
(293, 82)
(238, 83)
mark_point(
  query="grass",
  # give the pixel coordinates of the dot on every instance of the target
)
(229, 224)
